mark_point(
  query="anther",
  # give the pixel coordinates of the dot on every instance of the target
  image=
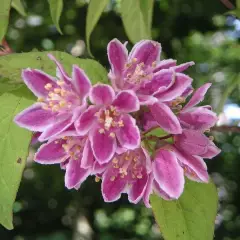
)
(112, 178)
(211, 138)
(112, 134)
(101, 131)
(97, 179)
(48, 86)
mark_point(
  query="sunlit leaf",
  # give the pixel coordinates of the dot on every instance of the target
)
(191, 217)
(136, 17)
(4, 17)
(14, 142)
(95, 9)
(56, 7)
(17, 4)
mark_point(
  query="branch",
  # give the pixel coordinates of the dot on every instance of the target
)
(235, 129)
(228, 4)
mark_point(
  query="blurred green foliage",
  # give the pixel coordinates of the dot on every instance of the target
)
(188, 30)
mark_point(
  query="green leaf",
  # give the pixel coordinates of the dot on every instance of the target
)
(137, 18)
(11, 65)
(17, 4)
(4, 17)
(95, 9)
(147, 11)
(56, 7)
(14, 142)
(191, 217)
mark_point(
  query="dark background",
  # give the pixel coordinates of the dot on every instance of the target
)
(198, 30)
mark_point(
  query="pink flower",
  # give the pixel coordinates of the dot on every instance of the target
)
(74, 154)
(128, 172)
(155, 82)
(60, 100)
(108, 121)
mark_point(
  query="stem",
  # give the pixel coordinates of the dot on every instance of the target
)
(151, 137)
(149, 130)
(235, 129)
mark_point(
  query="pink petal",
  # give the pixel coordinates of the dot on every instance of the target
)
(192, 142)
(148, 191)
(102, 94)
(87, 158)
(61, 73)
(129, 135)
(197, 97)
(34, 139)
(137, 189)
(182, 82)
(35, 118)
(146, 99)
(84, 123)
(64, 164)
(199, 118)
(165, 64)
(81, 82)
(194, 166)
(160, 192)
(160, 82)
(75, 175)
(103, 145)
(111, 190)
(148, 121)
(165, 118)
(168, 173)
(126, 101)
(98, 168)
(188, 91)
(117, 56)
(183, 67)
(36, 81)
(146, 52)
(51, 152)
(212, 151)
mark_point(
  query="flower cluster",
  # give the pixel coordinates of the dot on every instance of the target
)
(105, 130)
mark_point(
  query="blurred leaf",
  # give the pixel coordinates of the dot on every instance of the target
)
(11, 65)
(56, 7)
(4, 17)
(228, 90)
(136, 17)
(17, 4)
(191, 217)
(13, 150)
(95, 9)
(147, 11)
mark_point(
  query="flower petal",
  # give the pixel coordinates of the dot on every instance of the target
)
(87, 156)
(197, 97)
(160, 82)
(81, 82)
(35, 118)
(51, 152)
(199, 118)
(112, 189)
(138, 188)
(146, 99)
(168, 173)
(84, 123)
(103, 145)
(126, 101)
(75, 175)
(181, 83)
(182, 67)
(102, 94)
(148, 191)
(160, 192)
(117, 56)
(36, 81)
(146, 52)
(61, 73)
(128, 135)
(165, 64)
(192, 142)
(212, 151)
(194, 167)
(165, 118)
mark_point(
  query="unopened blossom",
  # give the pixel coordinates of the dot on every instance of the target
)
(127, 172)
(108, 121)
(60, 100)
(155, 82)
(74, 154)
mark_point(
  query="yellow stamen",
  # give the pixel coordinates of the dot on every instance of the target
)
(48, 86)
(97, 179)
(112, 134)
(112, 178)
(40, 99)
(101, 131)
(115, 160)
(57, 90)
